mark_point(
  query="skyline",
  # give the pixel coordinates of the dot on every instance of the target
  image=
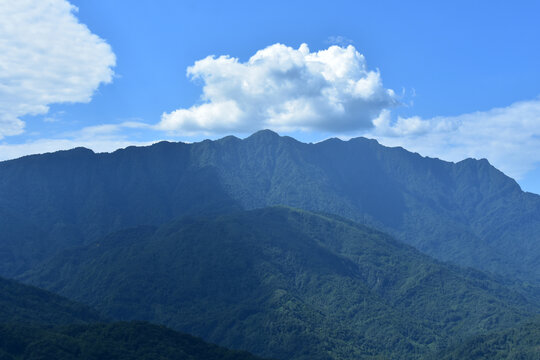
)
(445, 80)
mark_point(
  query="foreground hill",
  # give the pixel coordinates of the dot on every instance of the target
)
(36, 324)
(25, 304)
(284, 283)
(118, 341)
(469, 212)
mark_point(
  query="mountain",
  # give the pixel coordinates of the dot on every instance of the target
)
(521, 342)
(284, 283)
(25, 304)
(36, 324)
(70, 197)
(468, 212)
(119, 341)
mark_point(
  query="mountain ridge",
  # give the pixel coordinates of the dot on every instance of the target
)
(466, 212)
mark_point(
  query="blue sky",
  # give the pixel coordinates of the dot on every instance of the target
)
(451, 80)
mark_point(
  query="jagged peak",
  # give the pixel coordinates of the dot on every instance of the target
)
(474, 161)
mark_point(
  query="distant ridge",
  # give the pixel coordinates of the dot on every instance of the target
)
(468, 212)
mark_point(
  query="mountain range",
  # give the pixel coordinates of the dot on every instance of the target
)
(468, 213)
(334, 250)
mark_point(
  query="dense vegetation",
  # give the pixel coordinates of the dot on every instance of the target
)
(522, 342)
(284, 283)
(118, 341)
(36, 324)
(468, 213)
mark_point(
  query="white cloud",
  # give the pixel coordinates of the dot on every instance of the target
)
(508, 137)
(284, 89)
(46, 57)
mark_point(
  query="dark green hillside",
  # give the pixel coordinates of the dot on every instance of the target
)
(118, 341)
(522, 342)
(36, 324)
(26, 304)
(469, 212)
(284, 283)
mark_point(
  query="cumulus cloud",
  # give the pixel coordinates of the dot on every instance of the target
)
(284, 89)
(508, 137)
(46, 57)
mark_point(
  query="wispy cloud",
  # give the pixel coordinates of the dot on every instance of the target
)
(46, 56)
(508, 136)
(339, 40)
(100, 138)
(284, 89)
(54, 117)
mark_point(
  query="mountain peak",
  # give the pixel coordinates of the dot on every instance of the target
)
(264, 134)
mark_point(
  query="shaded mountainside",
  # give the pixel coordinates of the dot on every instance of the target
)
(521, 342)
(469, 213)
(56, 201)
(119, 341)
(284, 283)
(25, 304)
(36, 324)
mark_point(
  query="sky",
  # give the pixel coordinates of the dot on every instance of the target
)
(445, 79)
